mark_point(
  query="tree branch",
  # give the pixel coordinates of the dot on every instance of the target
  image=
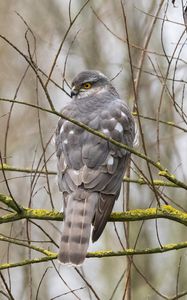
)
(163, 212)
(98, 254)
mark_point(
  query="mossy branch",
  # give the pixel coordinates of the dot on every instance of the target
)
(27, 262)
(98, 254)
(156, 182)
(165, 212)
(10, 203)
(167, 123)
(7, 167)
(27, 245)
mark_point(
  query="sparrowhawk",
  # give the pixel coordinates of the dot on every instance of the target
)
(90, 169)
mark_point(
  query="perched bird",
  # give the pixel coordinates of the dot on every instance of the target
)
(90, 169)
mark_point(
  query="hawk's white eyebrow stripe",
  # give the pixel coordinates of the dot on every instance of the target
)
(119, 127)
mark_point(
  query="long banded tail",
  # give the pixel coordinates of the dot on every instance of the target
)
(79, 213)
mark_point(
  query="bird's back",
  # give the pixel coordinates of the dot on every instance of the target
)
(90, 169)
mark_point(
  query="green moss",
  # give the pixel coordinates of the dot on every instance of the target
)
(130, 251)
(167, 174)
(175, 212)
(163, 173)
(10, 202)
(169, 246)
(5, 266)
(163, 183)
(4, 166)
(49, 253)
(43, 214)
(158, 164)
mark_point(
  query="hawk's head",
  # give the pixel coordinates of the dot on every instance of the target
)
(88, 83)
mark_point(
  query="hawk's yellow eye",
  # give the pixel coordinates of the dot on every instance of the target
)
(87, 85)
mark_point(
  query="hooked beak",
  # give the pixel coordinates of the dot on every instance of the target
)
(74, 91)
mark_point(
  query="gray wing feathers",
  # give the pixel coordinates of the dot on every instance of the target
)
(79, 213)
(103, 211)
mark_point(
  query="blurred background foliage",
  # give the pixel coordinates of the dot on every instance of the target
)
(96, 40)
